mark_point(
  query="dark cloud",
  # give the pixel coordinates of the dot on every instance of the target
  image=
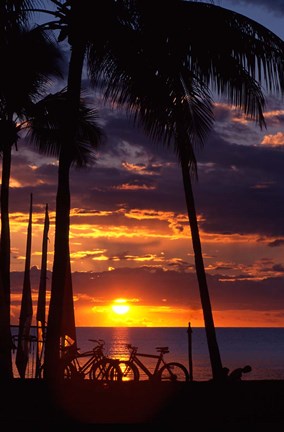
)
(278, 268)
(248, 294)
(240, 188)
(276, 243)
(244, 188)
(151, 286)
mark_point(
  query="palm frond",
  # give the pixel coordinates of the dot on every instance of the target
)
(48, 120)
(31, 60)
(236, 58)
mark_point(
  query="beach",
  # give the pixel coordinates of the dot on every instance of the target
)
(135, 406)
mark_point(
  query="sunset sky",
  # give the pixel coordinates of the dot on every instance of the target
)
(130, 238)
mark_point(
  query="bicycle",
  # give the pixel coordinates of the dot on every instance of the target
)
(97, 367)
(163, 371)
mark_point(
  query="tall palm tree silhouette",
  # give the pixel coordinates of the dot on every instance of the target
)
(75, 23)
(237, 51)
(168, 87)
(30, 60)
(47, 133)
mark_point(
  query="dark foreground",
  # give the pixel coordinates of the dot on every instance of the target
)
(131, 407)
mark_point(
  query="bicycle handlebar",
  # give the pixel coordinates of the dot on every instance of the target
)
(130, 346)
(162, 350)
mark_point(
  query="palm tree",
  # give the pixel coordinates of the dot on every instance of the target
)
(176, 104)
(47, 133)
(74, 22)
(30, 59)
(171, 47)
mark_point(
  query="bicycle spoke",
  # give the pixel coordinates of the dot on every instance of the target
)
(104, 370)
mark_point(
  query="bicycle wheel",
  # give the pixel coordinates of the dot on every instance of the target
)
(129, 371)
(69, 371)
(174, 372)
(105, 370)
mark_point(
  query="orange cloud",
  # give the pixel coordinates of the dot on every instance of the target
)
(274, 140)
(129, 186)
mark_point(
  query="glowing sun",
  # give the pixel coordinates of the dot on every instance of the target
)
(120, 307)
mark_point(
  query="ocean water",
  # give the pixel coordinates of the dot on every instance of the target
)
(261, 348)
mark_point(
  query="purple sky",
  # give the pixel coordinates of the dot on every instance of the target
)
(128, 210)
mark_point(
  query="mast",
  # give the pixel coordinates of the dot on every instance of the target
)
(41, 303)
(22, 355)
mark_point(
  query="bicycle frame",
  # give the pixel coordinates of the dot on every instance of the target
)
(85, 367)
(162, 371)
(160, 361)
(94, 356)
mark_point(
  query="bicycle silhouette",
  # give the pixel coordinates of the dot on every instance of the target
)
(163, 371)
(97, 367)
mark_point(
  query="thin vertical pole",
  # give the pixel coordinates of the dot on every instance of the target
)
(26, 313)
(41, 303)
(189, 338)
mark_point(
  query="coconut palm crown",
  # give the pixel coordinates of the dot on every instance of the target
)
(169, 83)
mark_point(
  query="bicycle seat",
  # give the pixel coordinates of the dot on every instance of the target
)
(163, 350)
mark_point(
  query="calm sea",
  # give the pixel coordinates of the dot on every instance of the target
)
(261, 348)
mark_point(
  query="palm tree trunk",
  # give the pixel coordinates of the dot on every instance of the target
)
(61, 287)
(5, 339)
(215, 359)
(6, 371)
(59, 274)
